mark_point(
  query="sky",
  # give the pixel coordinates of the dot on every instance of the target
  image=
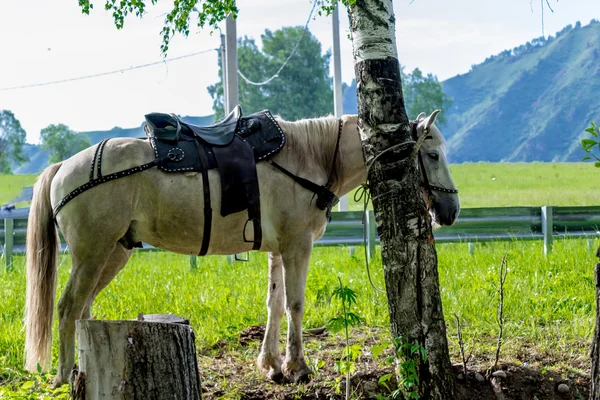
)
(47, 40)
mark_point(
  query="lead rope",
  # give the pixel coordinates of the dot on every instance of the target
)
(364, 194)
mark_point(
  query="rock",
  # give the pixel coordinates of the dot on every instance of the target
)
(563, 388)
(479, 377)
(371, 388)
(499, 374)
(460, 377)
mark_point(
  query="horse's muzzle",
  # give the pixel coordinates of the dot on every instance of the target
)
(447, 208)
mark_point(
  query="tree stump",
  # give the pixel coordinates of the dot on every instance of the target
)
(136, 360)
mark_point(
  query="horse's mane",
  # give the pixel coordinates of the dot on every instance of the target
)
(314, 140)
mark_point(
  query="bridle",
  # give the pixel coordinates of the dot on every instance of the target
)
(428, 186)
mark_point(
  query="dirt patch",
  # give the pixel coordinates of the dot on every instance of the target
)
(229, 371)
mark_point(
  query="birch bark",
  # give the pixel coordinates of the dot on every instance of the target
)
(404, 226)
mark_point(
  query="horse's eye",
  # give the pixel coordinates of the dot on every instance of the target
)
(434, 156)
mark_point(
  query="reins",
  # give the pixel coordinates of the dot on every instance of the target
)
(364, 194)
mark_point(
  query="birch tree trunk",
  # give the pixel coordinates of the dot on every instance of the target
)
(404, 226)
(595, 353)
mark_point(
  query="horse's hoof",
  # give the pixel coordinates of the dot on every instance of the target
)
(300, 374)
(278, 377)
(270, 367)
(58, 382)
(303, 377)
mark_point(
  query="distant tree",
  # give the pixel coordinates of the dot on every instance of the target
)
(61, 142)
(12, 139)
(303, 88)
(424, 94)
(421, 94)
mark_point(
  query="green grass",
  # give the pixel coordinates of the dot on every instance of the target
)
(549, 302)
(524, 184)
(480, 184)
(527, 184)
(11, 185)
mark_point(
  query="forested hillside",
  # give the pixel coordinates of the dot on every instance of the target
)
(531, 103)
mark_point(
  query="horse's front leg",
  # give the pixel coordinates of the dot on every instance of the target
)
(269, 360)
(295, 268)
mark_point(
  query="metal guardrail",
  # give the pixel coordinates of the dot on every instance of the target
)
(346, 229)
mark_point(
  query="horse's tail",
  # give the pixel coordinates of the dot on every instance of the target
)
(42, 254)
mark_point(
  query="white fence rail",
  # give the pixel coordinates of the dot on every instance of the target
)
(346, 229)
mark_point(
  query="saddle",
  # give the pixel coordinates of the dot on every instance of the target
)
(232, 145)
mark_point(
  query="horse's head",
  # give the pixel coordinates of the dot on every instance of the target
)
(439, 190)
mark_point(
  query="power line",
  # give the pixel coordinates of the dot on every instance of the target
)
(79, 78)
(288, 58)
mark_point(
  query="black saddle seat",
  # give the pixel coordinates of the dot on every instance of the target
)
(170, 127)
(219, 133)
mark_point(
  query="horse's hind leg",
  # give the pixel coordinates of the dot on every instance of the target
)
(85, 273)
(115, 263)
(269, 359)
(295, 268)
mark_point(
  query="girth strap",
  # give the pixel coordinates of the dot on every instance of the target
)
(207, 207)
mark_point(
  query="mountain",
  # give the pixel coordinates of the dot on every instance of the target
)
(38, 160)
(38, 157)
(531, 103)
(98, 136)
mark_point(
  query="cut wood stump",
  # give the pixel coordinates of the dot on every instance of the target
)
(139, 359)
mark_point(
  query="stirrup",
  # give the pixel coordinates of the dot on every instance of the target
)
(235, 257)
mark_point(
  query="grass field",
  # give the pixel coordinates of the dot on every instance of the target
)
(480, 184)
(11, 185)
(549, 302)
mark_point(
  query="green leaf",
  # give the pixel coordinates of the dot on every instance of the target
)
(345, 294)
(588, 143)
(597, 164)
(38, 367)
(27, 385)
(586, 158)
(354, 351)
(384, 379)
(336, 325)
(345, 366)
(377, 350)
(353, 319)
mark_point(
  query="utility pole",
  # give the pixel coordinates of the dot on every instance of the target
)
(231, 72)
(232, 63)
(224, 73)
(338, 105)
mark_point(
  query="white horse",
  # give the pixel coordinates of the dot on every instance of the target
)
(166, 211)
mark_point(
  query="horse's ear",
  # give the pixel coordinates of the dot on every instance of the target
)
(421, 116)
(431, 119)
